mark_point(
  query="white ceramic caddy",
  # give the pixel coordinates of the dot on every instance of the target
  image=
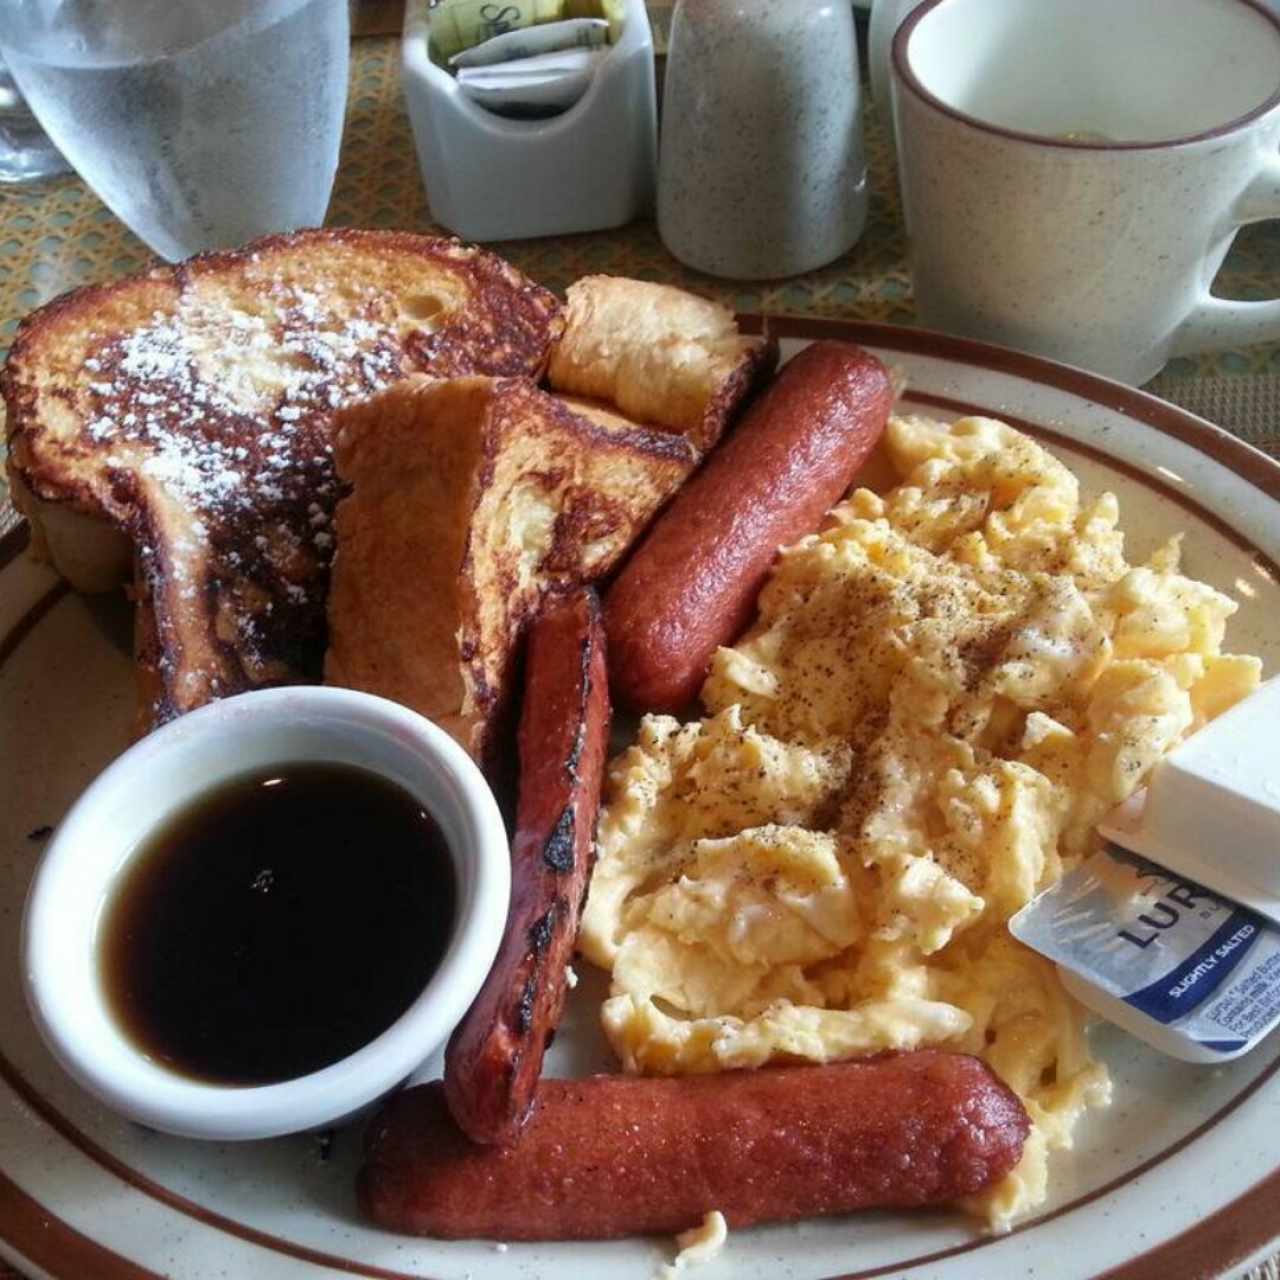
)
(490, 178)
(1180, 1176)
(157, 779)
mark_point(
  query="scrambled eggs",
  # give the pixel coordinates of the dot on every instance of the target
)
(946, 687)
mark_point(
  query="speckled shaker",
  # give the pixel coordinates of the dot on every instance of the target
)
(1073, 174)
(762, 170)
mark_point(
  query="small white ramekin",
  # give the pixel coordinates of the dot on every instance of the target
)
(161, 775)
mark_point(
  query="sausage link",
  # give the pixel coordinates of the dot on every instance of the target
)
(621, 1155)
(692, 583)
(494, 1057)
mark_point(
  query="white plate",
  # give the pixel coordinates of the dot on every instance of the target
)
(1180, 1177)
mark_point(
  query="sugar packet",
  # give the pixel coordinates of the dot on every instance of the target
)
(459, 24)
(529, 42)
(532, 87)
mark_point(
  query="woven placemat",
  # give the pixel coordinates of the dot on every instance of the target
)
(1247, 405)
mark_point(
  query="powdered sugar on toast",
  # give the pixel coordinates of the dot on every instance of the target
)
(191, 408)
(193, 386)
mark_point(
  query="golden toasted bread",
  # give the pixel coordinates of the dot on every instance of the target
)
(664, 357)
(190, 410)
(469, 498)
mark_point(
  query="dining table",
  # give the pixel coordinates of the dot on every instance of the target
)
(56, 235)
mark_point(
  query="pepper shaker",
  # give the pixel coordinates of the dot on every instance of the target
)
(762, 171)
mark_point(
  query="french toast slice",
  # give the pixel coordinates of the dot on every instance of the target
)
(469, 498)
(664, 357)
(187, 413)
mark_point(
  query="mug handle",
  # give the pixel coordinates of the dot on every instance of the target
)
(1219, 324)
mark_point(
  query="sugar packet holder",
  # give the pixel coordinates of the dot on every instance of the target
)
(592, 166)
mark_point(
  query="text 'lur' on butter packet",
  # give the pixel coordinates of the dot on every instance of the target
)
(1193, 974)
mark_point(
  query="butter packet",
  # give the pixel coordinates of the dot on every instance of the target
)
(456, 25)
(1193, 974)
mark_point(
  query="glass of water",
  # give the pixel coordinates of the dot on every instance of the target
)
(200, 124)
(26, 154)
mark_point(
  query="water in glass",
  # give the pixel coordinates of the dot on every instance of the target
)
(26, 154)
(200, 125)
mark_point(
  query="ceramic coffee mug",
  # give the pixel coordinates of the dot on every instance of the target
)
(1073, 174)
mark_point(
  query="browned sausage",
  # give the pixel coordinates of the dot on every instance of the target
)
(495, 1055)
(692, 583)
(623, 1155)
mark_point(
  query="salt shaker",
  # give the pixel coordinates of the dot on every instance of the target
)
(762, 170)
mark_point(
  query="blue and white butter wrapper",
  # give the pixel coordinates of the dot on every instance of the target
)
(1192, 973)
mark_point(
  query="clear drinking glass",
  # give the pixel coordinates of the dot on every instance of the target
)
(200, 123)
(26, 154)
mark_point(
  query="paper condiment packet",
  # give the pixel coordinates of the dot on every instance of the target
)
(458, 24)
(1191, 973)
(551, 82)
(550, 37)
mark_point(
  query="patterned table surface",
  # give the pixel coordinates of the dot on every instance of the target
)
(57, 235)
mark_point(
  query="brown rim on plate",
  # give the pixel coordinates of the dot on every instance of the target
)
(1208, 1247)
(156, 1191)
(14, 541)
(902, 68)
(31, 619)
(1233, 453)
(1261, 1201)
(50, 1243)
(1227, 1238)
(1179, 497)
